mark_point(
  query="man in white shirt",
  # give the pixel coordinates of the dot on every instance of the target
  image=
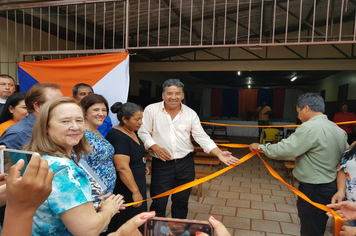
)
(7, 88)
(166, 131)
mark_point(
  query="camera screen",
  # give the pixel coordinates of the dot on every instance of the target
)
(156, 227)
(10, 157)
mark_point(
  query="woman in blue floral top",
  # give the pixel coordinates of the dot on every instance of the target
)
(346, 178)
(101, 157)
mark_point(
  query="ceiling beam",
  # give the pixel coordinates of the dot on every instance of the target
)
(297, 17)
(256, 33)
(311, 27)
(184, 19)
(205, 17)
(311, 11)
(259, 57)
(26, 4)
(253, 65)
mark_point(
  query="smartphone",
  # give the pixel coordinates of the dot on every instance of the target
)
(9, 157)
(159, 226)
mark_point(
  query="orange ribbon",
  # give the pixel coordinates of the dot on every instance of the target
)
(270, 126)
(233, 145)
(337, 219)
(196, 182)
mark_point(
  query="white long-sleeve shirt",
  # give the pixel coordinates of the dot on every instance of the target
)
(173, 135)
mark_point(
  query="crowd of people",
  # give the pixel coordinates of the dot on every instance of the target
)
(58, 195)
(63, 132)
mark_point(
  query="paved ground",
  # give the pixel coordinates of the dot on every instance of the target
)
(247, 199)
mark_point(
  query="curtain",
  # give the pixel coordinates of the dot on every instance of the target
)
(230, 102)
(265, 95)
(216, 101)
(205, 105)
(247, 102)
(279, 96)
(290, 112)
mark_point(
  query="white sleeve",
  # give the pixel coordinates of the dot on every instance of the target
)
(145, 132)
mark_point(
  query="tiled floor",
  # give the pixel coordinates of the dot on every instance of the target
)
(247, 199)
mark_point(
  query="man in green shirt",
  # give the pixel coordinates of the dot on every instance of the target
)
(317, 146)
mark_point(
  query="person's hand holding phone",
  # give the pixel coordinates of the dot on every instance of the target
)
(2, 185)
(33, 188)
(25, 194)
(219, 228)
(131, 226)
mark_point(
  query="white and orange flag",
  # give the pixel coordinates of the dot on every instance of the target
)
(108, 74)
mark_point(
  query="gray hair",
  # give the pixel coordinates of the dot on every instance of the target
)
(314, 101)
(126, 110)
(172, 82)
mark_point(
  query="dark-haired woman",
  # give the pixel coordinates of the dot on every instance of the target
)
(14, 110)
(346, 178)
(100, 158)
(129, 160)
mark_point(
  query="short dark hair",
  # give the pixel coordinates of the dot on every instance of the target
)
(80, 85)
(36, 94)
(172, 82)
(126, 110)
(5, 76)
(92, 99)
(343, 104)
(314, 101)
(12, 101)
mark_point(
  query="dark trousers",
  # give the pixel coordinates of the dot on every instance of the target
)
(262, 122)
(312, 219)
(168, 175)
(351, 138)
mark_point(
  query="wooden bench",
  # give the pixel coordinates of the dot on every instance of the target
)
(215, 140)
(221, 141)
(211, 161)
(206, 159)
(199, 149)
(198, 175)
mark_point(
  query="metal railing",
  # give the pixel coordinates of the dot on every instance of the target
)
(51, 26)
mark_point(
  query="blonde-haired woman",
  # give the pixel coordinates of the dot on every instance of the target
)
(59, 130)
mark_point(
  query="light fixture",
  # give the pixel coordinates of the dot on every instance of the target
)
(239, 73)
(294, 78)
(249, 86)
